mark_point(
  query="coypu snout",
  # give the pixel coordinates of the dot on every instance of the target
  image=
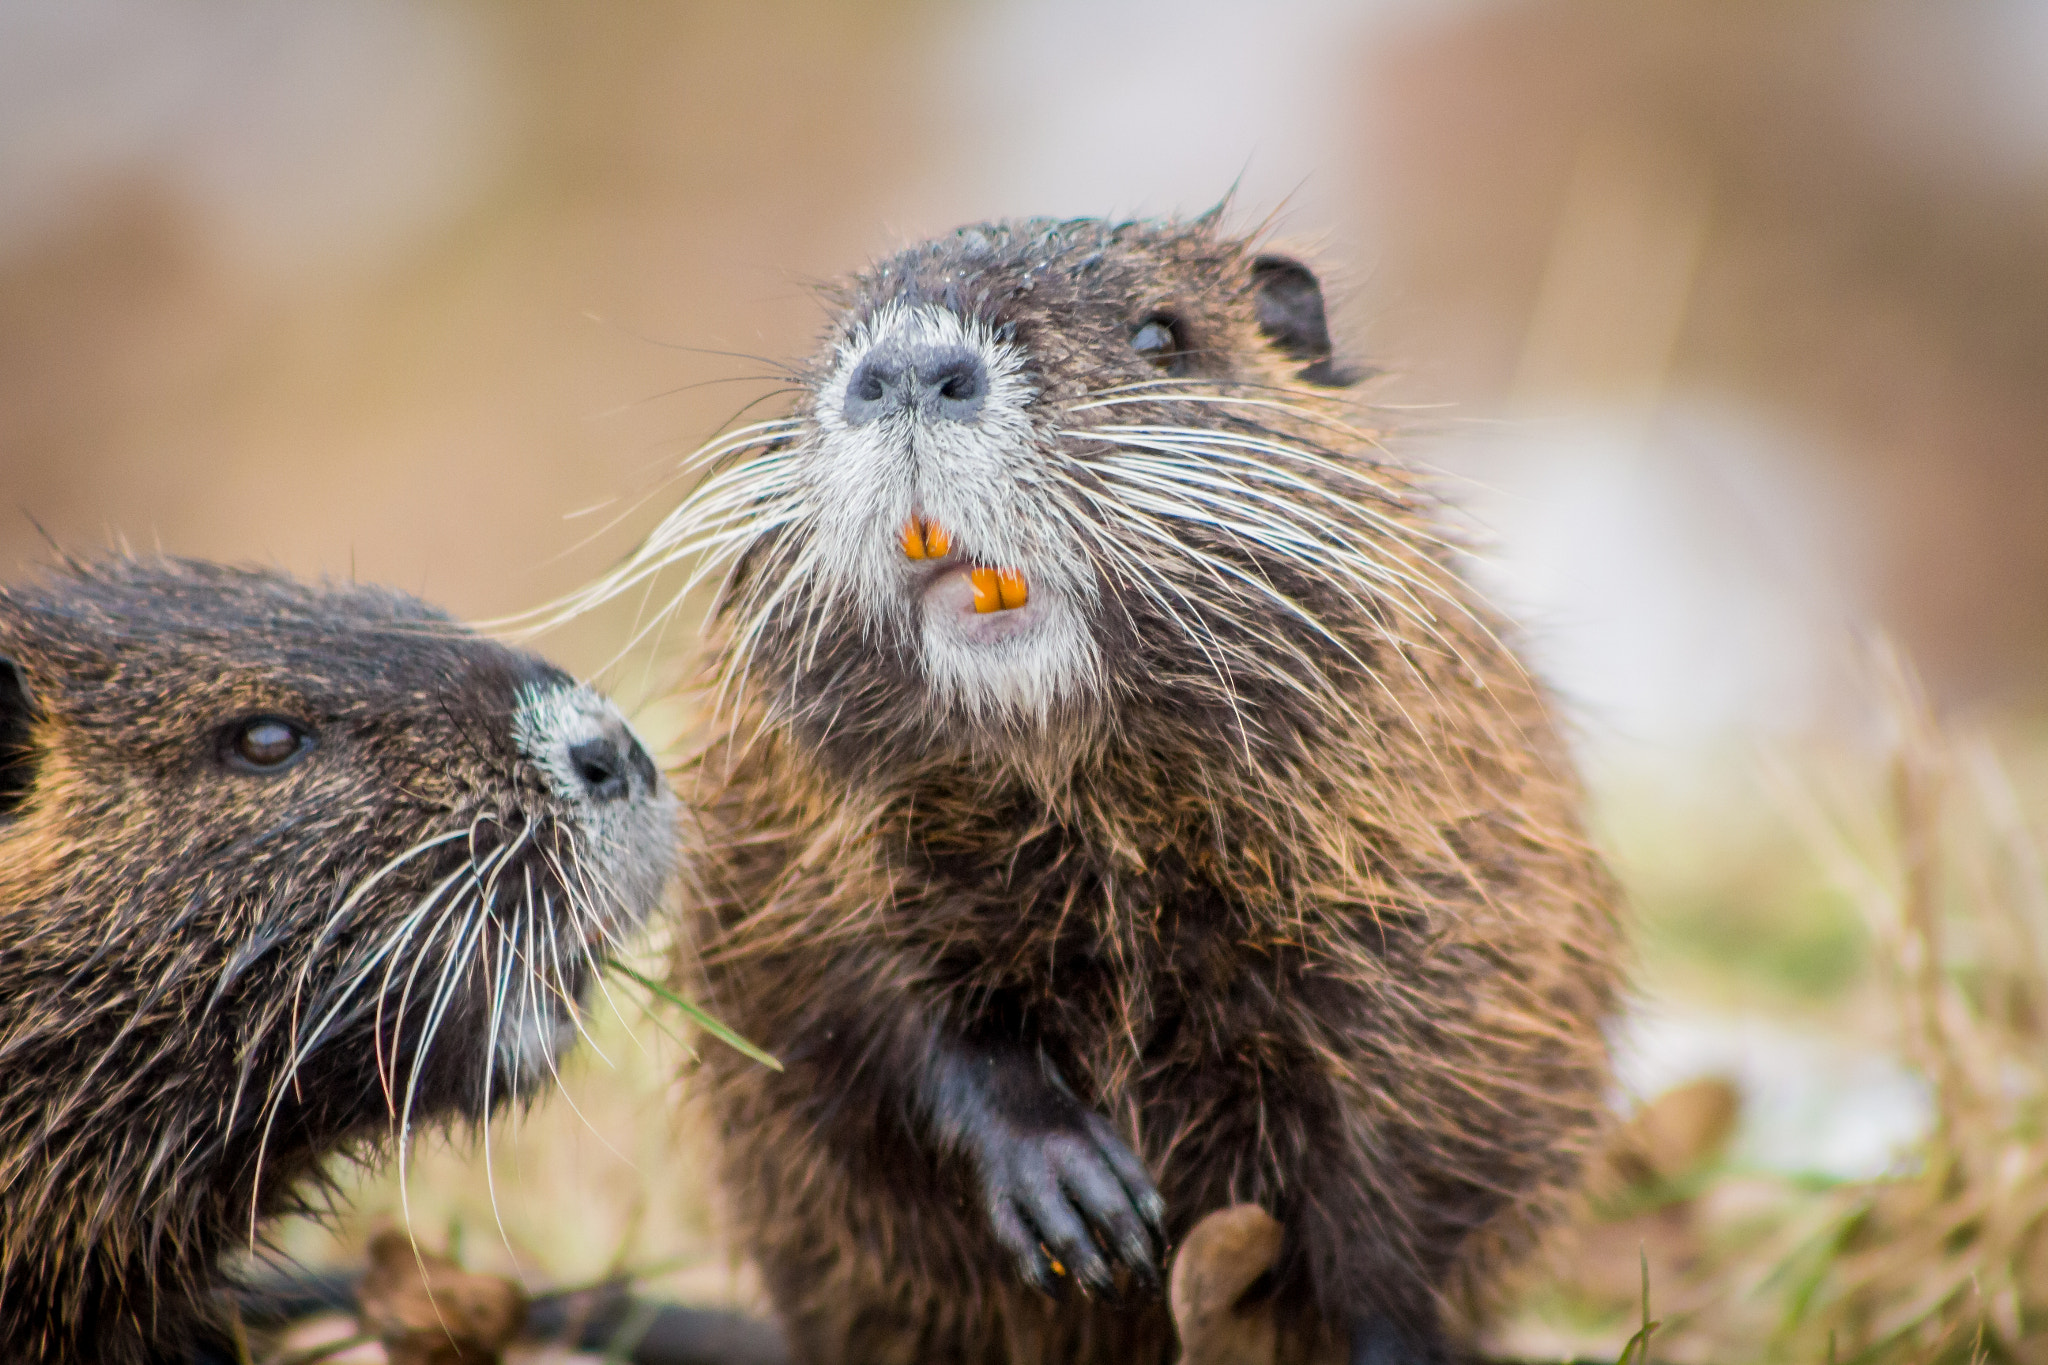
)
(941, 381)
(587, 749)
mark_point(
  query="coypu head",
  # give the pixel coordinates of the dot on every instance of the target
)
(1050, 482)
(285, 871)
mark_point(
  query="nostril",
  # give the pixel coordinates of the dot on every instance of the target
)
(947, 382)
(643, 764)
(601, 767)
(956, 379)
(870, 388)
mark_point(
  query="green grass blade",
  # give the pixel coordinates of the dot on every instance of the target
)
(1637, 1351)
(704, 1021)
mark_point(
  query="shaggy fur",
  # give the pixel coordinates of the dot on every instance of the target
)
(1281, 871)
(212, 975)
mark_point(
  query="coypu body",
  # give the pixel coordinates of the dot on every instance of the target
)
(285, 872)
(1116, 806)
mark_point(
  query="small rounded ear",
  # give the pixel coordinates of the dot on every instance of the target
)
(17, 755)
(1289, 303)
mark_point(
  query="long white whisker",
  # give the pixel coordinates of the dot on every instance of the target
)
(719, 517)
(1323, 696)
(1204, 639)
(1191, 500)
(457, 962)
(1167, 494)
(561, 980)
(501, 980)
(1197, 465)
(1196, 454)
(1199, 448)
(590, 959)
(303, 1049)
(334, 921)
(1113, 399)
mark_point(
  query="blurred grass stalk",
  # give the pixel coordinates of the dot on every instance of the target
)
(1943, 1258)
(1947, 1259)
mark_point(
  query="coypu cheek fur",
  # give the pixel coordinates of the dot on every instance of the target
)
(283, 871)
(1247, 868)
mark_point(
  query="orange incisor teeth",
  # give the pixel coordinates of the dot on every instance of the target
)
(987, 596)
(924, 539)
(997, 589)
(1010, 585)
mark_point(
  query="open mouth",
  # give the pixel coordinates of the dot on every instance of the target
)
(993, 589)
(985, 603)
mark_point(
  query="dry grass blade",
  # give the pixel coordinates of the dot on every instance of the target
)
(314, 1355)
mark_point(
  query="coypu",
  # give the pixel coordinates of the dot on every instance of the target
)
(285, 871)
(1115, 805)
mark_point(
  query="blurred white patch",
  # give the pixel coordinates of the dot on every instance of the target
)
(534, 1033)
(1811, 1104)
(324, 1337)
(1679, 589)
(308, 137)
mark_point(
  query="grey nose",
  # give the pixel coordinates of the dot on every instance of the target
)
(945, 382)
(607, 765)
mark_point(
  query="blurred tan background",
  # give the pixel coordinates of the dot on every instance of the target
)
(390, 288)
(1727, 319)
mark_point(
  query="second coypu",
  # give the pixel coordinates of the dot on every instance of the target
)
(285, 872)
(1117, 805)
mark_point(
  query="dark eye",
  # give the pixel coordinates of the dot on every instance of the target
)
(1158, 339)
(17, 754)
(266, 744)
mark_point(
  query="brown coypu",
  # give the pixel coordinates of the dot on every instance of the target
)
(1116, 805)
(283, 870)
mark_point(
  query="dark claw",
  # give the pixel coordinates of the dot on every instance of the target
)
(1093, 1275)
(1143, 1266)
(1137, 1183)
(1033, 1263)
(1037, 1270)
(1065, 1197)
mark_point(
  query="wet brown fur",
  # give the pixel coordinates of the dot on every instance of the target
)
(1342, 951)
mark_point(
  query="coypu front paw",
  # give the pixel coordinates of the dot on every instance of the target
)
(1064, 1195)
(1060, 1195)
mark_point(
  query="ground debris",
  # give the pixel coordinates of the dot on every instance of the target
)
(427, 1310)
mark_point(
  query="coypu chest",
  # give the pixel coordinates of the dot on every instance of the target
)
(1144, 958)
